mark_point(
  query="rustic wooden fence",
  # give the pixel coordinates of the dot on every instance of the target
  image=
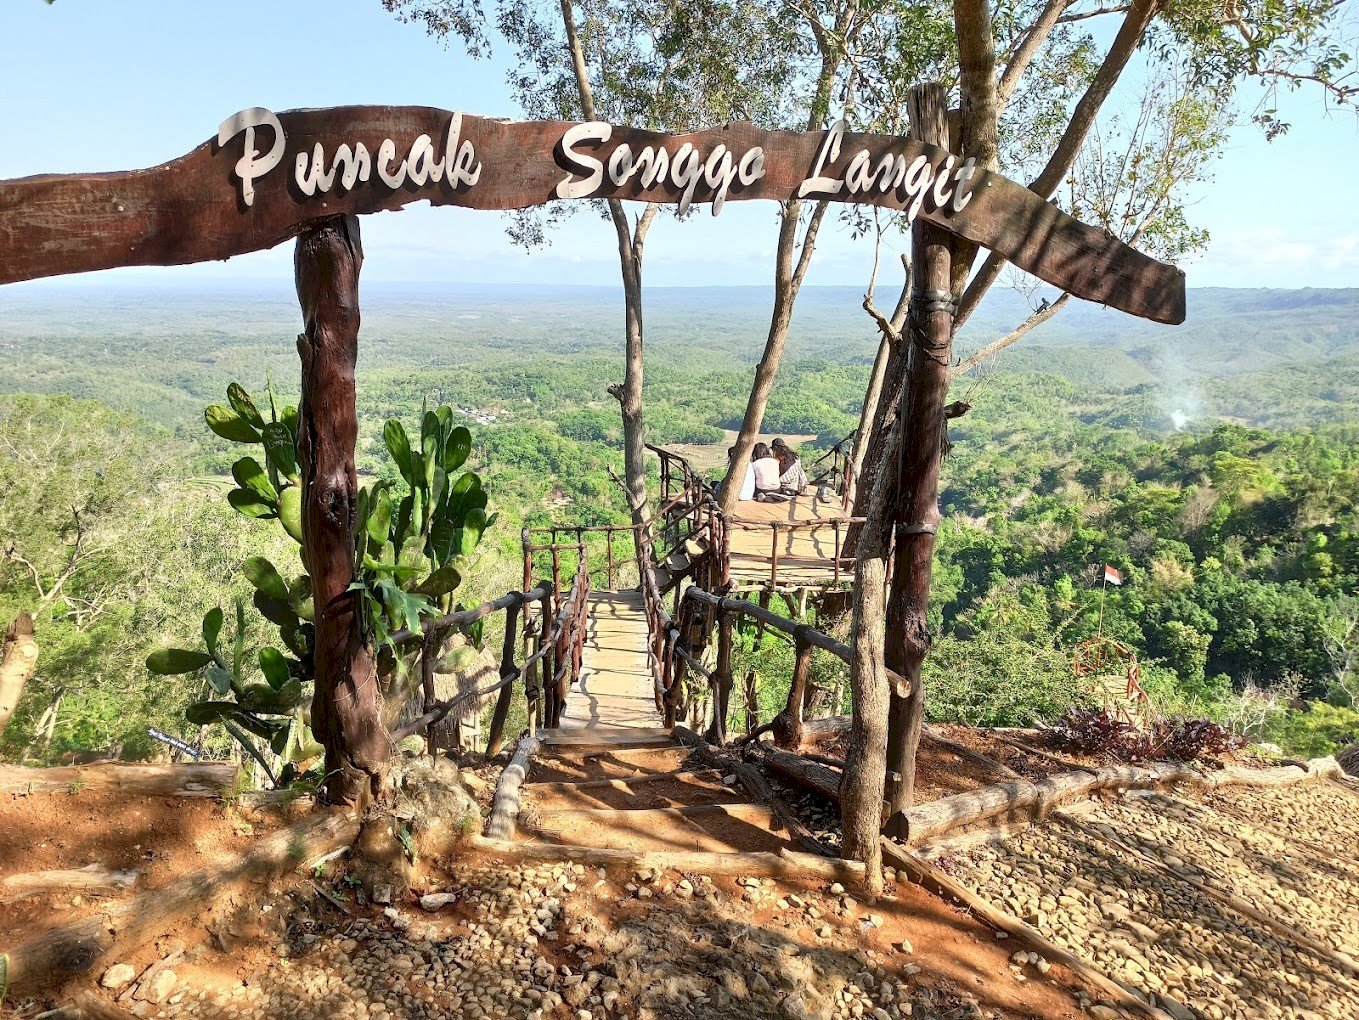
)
(547, 624)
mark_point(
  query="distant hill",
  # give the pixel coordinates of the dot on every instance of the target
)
(1257, 355)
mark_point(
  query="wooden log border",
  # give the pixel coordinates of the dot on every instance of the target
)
(190, 779)
(505, 805)
(257, 183)
(1021, 798)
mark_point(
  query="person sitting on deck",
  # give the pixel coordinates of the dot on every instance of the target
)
(792, 477)
(767, 472)
(748, 482)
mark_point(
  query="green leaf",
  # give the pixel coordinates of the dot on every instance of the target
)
(404, 513)
(380, 517)
(265, 578)
(473, 528)
(274, 667)
(230, 425)
(251, 503)
(212, 628)
(243, 405)
(290, 512)
(238, 652)
(175, 661)
(205, 713)
(457, 449)
(288, 417)
(281, 450)
(250, 748)
(430, 430)
(218, 678)
(250, 476)
(276, 611)
(399, 447)
(442, 538)
(464, 495)
(441, 582)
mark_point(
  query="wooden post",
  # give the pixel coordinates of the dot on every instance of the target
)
(788, 724)
(506, 693)
(929, 333)
(774, 555)
(528, 558)
(608, 548)
(717, 732)
(347, 703)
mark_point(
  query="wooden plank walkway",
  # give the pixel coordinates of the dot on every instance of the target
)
(615, 690)
(611, 776)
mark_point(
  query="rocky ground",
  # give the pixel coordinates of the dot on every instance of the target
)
(569, 941)
(1147, 928)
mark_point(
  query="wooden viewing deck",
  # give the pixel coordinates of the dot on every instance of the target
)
(791, 545)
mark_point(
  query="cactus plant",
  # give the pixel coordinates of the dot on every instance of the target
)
(411, 542)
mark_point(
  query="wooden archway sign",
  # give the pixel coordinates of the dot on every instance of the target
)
(264, 178)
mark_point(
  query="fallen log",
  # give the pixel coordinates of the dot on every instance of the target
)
(76, 947)
(784, 864)
(942, 884)
(190, 779)
(505, 806)
(798, 770)
(937, 818)
(91, 880)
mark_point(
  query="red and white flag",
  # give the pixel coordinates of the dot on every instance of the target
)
(1112, 576)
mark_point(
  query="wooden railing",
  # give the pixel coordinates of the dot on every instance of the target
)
(678, 646)
(841, 565)
(543, 549)
(553, 642)
(838, 475)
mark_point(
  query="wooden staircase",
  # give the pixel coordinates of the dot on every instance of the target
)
(612, 777)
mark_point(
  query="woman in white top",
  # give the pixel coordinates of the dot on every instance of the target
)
(767, 470)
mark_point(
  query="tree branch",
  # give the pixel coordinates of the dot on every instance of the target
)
(1028, 49)
(1042, 315)
(1069, 146)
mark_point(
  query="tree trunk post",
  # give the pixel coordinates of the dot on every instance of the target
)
(347, 703)
(929, 332)
(18, 656)
(788, 723)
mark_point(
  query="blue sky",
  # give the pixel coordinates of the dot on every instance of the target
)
(99, 85)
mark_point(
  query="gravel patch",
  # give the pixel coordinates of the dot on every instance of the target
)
(1144, 928)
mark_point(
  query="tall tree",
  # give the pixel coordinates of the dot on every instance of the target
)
(1212, 51)
(626, 62)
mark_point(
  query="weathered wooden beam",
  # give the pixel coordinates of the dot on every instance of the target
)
(245, 191)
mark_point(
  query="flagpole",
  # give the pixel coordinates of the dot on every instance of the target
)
(1104, 586)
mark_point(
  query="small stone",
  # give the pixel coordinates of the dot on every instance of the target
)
(837, 889)
(118, 976)
(904, 946)
(160, 986)
(436, 901)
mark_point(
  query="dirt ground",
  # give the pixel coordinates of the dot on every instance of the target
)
(161, 838)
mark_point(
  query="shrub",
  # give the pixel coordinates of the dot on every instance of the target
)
(1096, 732)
